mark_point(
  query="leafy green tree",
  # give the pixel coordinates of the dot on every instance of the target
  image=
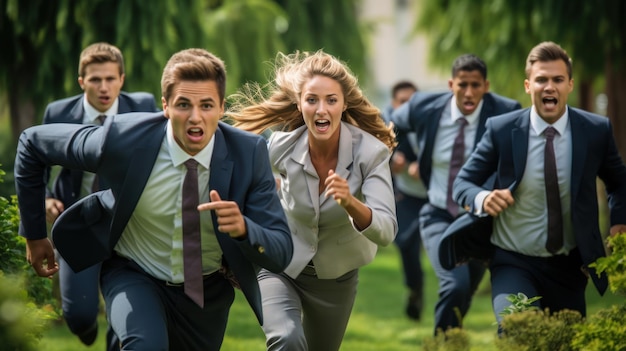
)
(502, 32)
(249, 37)
(330, 25)
(43, 40)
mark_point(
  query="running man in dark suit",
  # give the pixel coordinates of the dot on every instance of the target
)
(138, 228)
(513, 148)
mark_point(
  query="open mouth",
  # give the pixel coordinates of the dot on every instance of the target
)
(549, 102)
(469, 106)
(195, 133)
(322, 125)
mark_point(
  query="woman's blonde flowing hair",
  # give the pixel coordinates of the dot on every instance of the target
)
(257, 108)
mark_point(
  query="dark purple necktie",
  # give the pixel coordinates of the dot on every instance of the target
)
(553, 197)
(192, 250)
(456, 161)
(95, 186)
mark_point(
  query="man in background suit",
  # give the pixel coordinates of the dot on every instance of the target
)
(101, 77)
(410, 194)
(525, 261)
(154, 299)
(437, 120)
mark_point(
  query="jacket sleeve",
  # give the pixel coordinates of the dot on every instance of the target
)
(72, 146)
(269, 243)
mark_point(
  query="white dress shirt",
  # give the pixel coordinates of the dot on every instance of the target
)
(442, 150)
(153, 236)
(523, 227)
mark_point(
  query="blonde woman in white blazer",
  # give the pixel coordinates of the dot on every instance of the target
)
(332, 162)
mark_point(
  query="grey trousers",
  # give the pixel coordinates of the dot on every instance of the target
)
(306, 313)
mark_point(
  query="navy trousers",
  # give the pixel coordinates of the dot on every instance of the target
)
(559, 280)
(149, 314)
(456, 286)
(409, 240)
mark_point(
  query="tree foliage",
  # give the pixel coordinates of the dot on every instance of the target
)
(503, 32)
(43, 40)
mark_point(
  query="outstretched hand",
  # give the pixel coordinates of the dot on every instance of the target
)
(40, 255)
(229, 217)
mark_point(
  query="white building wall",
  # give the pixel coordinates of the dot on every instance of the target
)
(394, 53)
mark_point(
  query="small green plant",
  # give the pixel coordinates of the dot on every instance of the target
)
(614, 264)
(13, 255)
(453, 339)
(603, 331)
(21, 321)
(536, 330)
(519, 303)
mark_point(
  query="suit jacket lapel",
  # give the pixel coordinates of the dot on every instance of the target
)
(76, 116)
(219, 180)
(300, 155)
(135, 179)
(579, 148)
(426, 160)
(486, 111)
(519, 144)
(123, 106)
(77, 113)
(221, 166)
(344, 159)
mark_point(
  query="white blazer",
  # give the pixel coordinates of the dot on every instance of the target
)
(321, 230)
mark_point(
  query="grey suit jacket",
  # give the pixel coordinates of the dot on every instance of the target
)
(503, 152)
(321, 229)
(122, 153)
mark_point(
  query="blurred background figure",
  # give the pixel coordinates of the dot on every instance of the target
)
(447, 126)
(410, 195)
(101, 77)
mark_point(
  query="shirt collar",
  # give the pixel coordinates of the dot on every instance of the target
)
(91, 114)
(456, 114)
(539, 125)
(179, 156)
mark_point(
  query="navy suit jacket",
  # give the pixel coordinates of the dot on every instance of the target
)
(122, 153)
(71, 110)
(422, 113)
(503, 151)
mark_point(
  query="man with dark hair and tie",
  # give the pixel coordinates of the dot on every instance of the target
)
(101, 77)
(191, 211)
(544, 204)
(447, 126)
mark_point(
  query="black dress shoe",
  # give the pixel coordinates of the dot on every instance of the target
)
(414, 305)
(89, 336)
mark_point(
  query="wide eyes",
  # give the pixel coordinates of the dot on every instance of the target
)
(314, 100)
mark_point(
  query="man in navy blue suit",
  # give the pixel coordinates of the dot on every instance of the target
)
(139, 228)
(544, 249)
(101, 77)
(438, 120)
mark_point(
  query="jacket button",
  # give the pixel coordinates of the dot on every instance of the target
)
(261, 249)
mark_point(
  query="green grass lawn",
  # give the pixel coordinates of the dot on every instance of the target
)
(378, 322)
